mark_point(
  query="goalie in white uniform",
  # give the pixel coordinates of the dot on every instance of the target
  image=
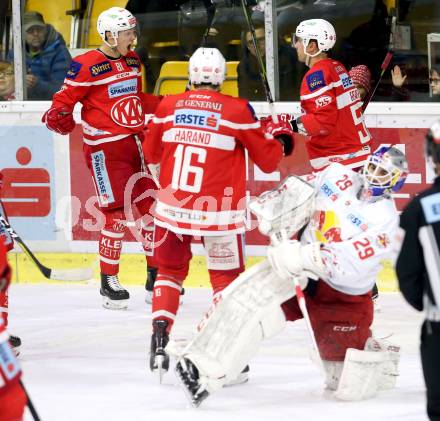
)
(351, 227)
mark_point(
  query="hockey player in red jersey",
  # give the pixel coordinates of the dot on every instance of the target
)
(332, 116)
(8, 242)
(199, 138)
(12, 396)
(107, 82)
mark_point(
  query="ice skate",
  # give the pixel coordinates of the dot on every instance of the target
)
(188, 376)
(115, 297)
(159, 359)
(15, 343)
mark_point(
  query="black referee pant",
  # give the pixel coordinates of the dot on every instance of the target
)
(430, 353)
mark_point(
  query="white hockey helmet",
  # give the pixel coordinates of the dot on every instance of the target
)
(316, 29)
(114, 20)
(207, 66)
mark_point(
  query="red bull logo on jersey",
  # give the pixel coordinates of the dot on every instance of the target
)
(327, 226)
(383, 240)
(197, 118)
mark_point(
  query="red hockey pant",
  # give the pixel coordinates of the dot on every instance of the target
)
(120, 180)
(339, 320)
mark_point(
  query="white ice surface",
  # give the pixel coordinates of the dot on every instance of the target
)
(82, 362)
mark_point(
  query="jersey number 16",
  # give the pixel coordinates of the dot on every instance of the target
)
(187, 177)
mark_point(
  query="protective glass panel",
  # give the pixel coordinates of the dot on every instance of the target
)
(367, 29)
(6, 67)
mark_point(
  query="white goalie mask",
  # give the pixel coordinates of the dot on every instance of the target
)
(207, 66)
(316, 29)
(384, 172)
(114, 20)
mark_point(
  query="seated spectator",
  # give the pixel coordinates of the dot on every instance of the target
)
(434, 81)
(7, 86)
(249, 80)
(47, 57)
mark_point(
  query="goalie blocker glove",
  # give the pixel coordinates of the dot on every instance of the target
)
(59, 120)
(281, 131)
(290, 258)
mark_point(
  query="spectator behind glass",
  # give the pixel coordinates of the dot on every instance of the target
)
(7, 87)
(361, 77)
(47, 57)
(249, 80)
(434, 81)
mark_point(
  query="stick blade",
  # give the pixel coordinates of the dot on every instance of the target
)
(77, 274)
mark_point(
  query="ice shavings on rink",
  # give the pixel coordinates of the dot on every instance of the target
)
(84, 363)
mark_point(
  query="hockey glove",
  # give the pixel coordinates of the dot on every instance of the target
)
(281, 131)
(296, 124)
(290, 258)
(59, 119)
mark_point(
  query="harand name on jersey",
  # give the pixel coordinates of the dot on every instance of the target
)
(192, 136)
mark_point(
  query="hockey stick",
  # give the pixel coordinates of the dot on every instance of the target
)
(211, 10)
(384, 67)
(30, 405)
(77, 274)
(275, 239)
(263, 75)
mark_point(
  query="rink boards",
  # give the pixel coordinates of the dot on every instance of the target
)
(49, 195)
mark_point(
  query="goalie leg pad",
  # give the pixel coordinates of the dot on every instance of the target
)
(246, 312)
(361, 375)
(390, 370)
